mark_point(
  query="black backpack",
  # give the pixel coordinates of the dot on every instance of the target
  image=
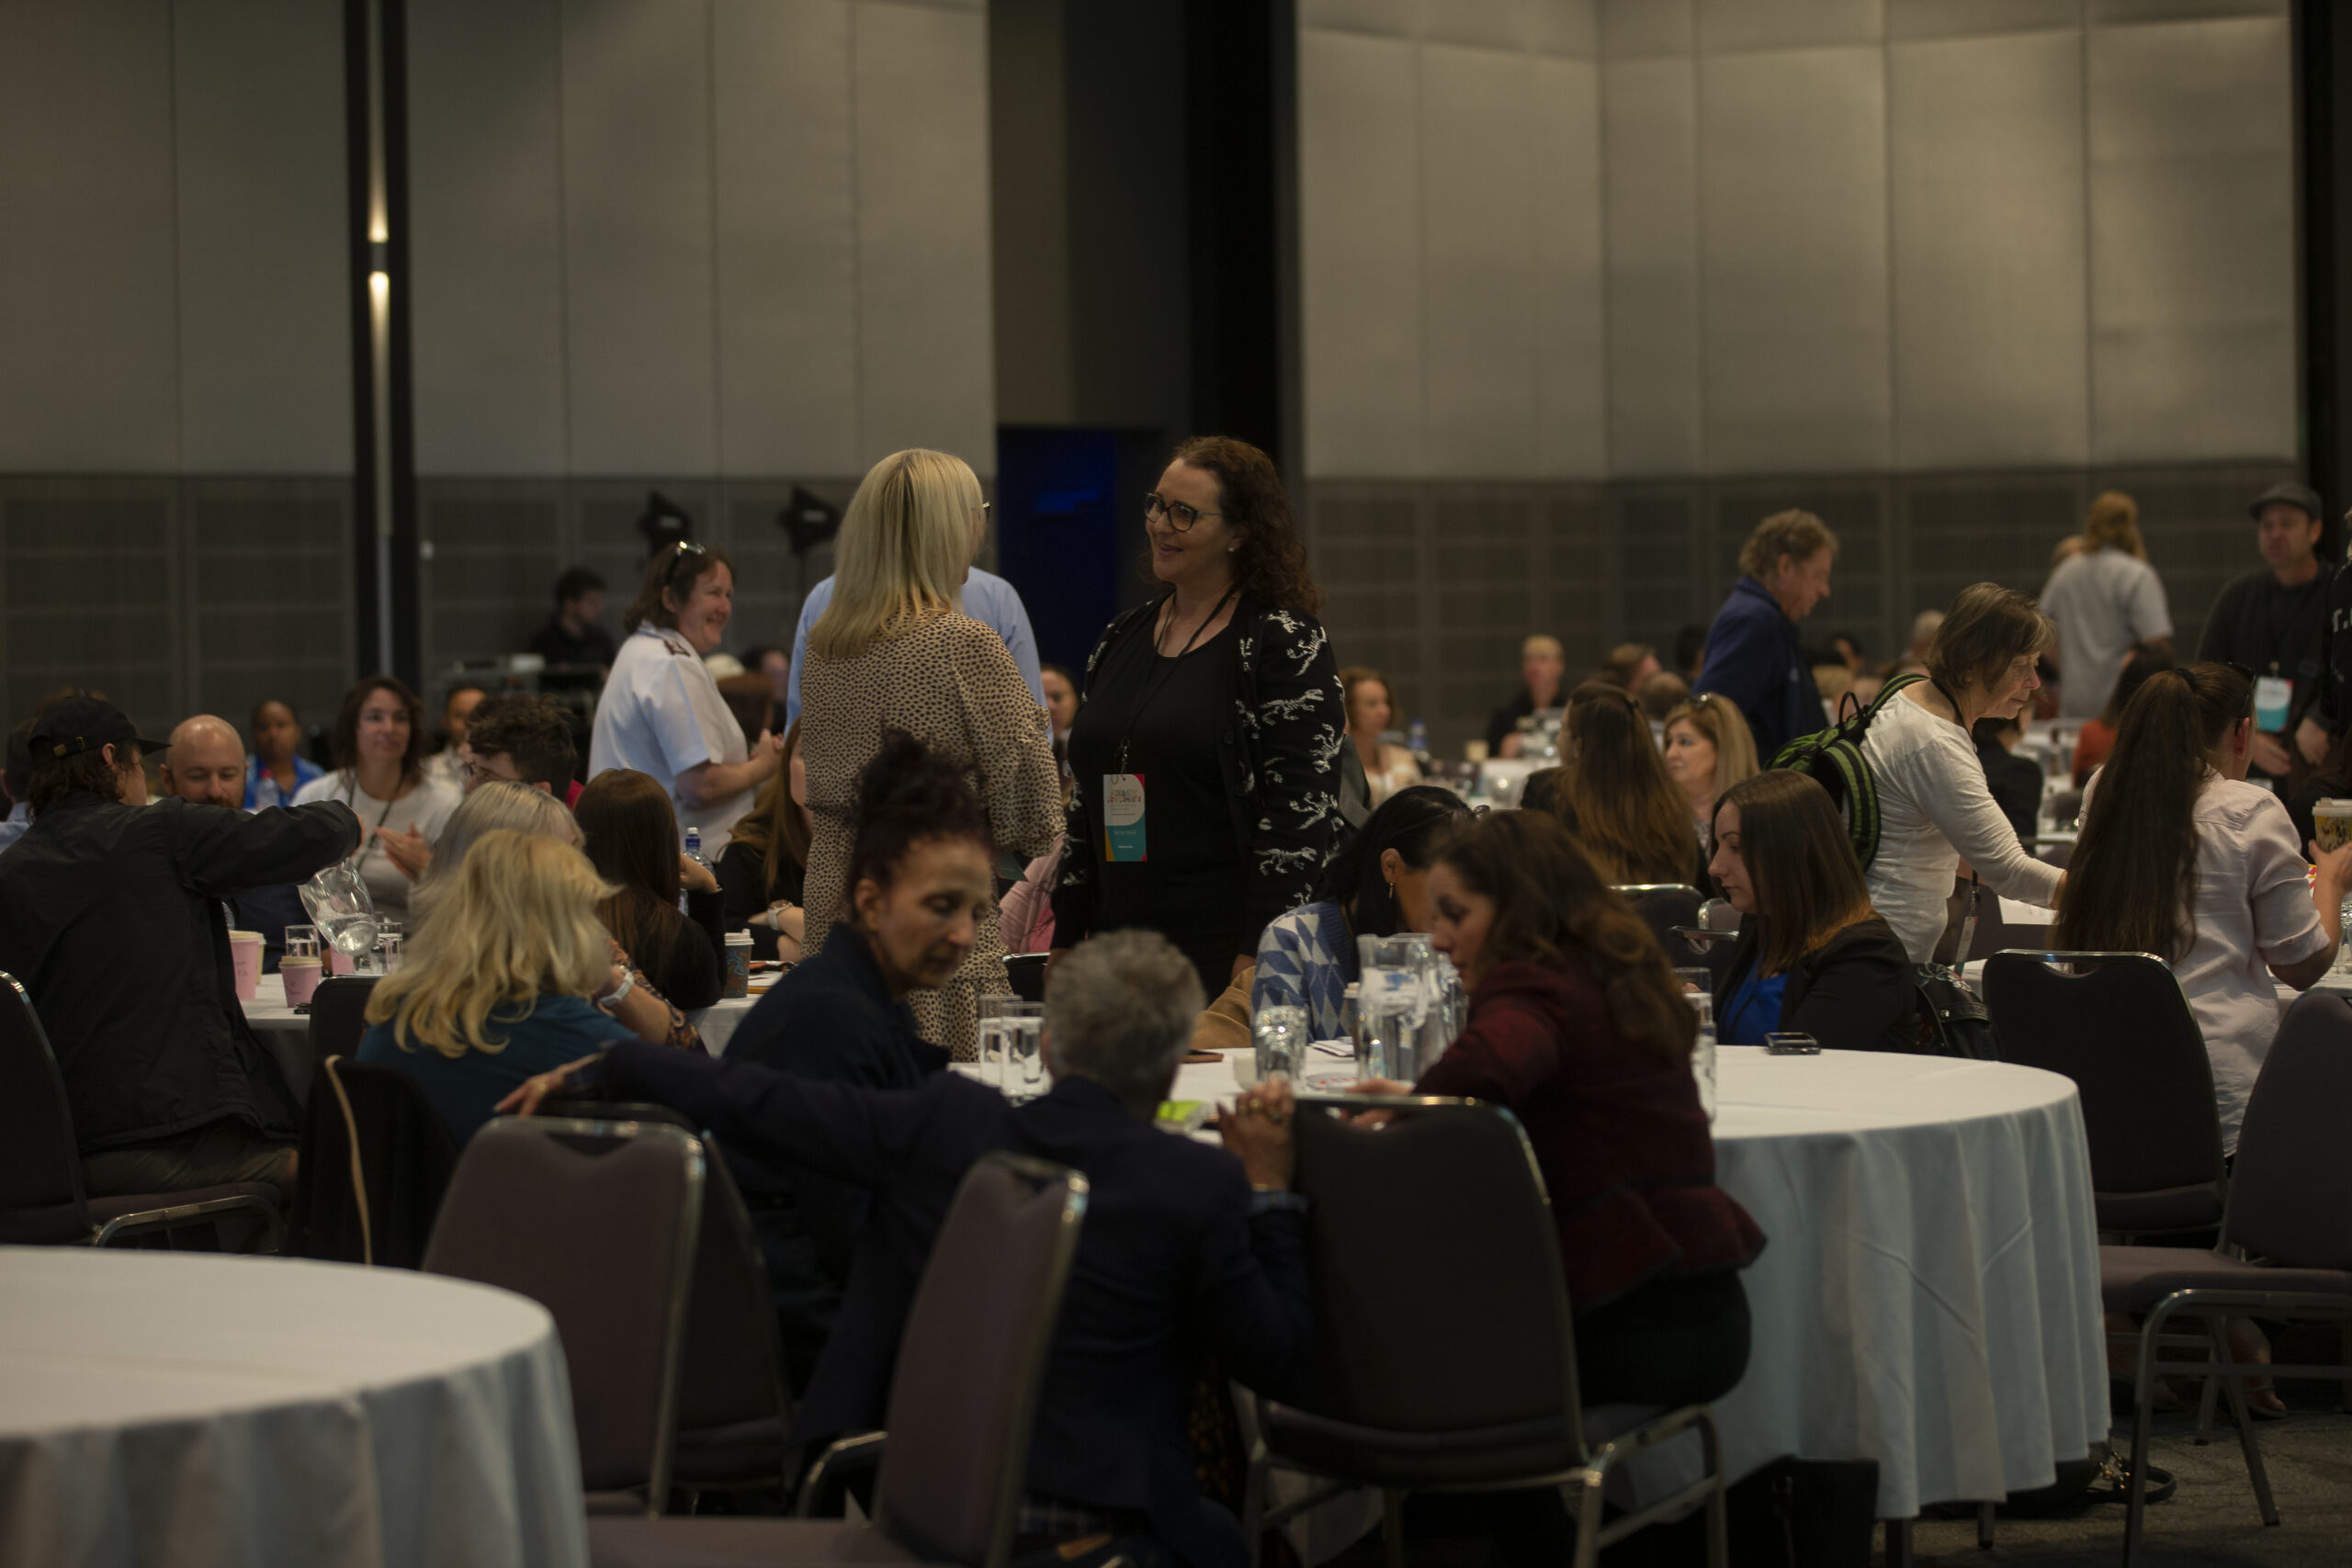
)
(1833, 759)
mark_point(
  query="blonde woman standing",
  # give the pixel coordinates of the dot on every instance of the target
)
(2103, 599)
(1708, 749)
(893, 652)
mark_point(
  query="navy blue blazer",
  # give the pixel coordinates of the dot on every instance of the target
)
(1176, 1255)
(1753, 657)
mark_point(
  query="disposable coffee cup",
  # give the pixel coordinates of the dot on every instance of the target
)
(739, 964)
(2331, 823)
(244, 953)
(301, 977)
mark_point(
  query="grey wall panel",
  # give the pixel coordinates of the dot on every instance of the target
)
(1487, 596)
(1991, 360)
(486, 237)
(1359, 254)
(1792, 176)
(1564, 190)
(927, 361)
(1479, 289)
(2178, 10)
(2193, 314)
(1388, 18)
(264, 258)
(1650, 296)
(1960, 529)
(1030, 218)
(786, 237)
(640, 301)
(89, 373)
(1727, 25)
(1637, 29)
(1965, 18)
(56, 537)
(1570, 28)
(268, 575)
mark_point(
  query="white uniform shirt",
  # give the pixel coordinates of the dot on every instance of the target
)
(661, 714)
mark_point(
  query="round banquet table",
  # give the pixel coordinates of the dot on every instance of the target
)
(188, 1407)
(1927, 1295)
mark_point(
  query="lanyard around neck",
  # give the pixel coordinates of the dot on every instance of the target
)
(1160, 677)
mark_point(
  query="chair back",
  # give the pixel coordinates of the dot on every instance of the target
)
(1440, 1303)
(338, 1018)
(597, 1222)
(1026, 974)
(375, 1162)
(2290, 1189)
(964, 1394)
(2120, 1028)
(41, 1165)
(1664, 905)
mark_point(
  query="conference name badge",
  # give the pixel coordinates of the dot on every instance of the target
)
(2273, 694)
(1122, 837)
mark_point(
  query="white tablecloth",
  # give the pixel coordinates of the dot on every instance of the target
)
(184, 1408)
(1929, 1294)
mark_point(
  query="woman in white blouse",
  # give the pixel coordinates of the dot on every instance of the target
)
(1933, 808)
(661, 713)
(379, 748)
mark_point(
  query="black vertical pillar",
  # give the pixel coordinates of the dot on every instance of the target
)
(392, 17)
(358, 79)
(2324, 91)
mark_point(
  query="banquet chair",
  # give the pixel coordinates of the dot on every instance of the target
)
(596, 1221)
(1664, 905)
(963, 1397)
(42, 1201)
(375, 1162)
(1444, 1351)
(2120, 1028)
(1025, 973)
(2290, 1217)
(338, 1017)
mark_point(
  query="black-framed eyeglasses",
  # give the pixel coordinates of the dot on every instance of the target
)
(1179, 516)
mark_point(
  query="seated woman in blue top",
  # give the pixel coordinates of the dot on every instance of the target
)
(1814, 957)
(277, 770)
(1376, 886)
(498, 985)
(920, 872)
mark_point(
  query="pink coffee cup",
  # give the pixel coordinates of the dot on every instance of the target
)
(301, 977)
(338, 961)
(244, 953)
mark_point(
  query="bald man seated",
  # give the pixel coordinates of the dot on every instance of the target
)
(206, 766)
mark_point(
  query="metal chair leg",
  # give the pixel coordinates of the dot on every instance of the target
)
(1710, 1447)
(1589, 1508)
(1983, 1527)
(2143, 1415)
(1253, 1504)
(1392, 1527)
(1898, 1543)
(2210, 1393)
(2247, 1440)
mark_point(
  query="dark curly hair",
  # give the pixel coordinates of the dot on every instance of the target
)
(907, 796)
(1271, 564)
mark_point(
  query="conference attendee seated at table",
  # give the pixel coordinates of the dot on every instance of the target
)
(773, 665)
(447, 766)
(206, 766)
(1371, 711)
(761, 876)
(919, 876)
(1542, 667)
(378, 748)
(573, 634)
(502, 806)
(1579, 1027)
(277, 770)
(2015, 782)
(1708, 749)
(1630, 819)
(109, 917)
(1660, 695)
(631, 837)
(1186, 1250)
(502, 983)
(525, 741)
(1629, 666)
(1814, 957)
(18, 781)
(2097, 737)
(2181, 857)
(1376, 886)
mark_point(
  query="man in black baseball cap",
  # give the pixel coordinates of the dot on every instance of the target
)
(2273, 622)
(110, 915)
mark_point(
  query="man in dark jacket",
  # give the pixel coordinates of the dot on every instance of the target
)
(1183, 1245)
(110, 915)
(2274, 621)
(1753, 657)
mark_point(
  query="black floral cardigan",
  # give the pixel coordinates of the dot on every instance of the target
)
(1280, 755)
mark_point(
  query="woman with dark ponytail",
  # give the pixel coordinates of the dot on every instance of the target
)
(1376, 886)
(2181, 857)
(920, 877)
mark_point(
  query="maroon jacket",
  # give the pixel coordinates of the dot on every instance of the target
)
(1624, 1146)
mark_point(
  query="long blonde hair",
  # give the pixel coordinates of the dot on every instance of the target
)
(518, 922)
(1720, 720)
(905, 544)
(2115, 520)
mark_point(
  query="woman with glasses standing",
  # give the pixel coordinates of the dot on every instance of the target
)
(1206, 759)
(661, 713)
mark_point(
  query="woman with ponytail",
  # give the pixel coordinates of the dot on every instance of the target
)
(1376, 886)
(2179, 856)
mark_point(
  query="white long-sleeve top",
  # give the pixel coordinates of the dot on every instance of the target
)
(1934, 812)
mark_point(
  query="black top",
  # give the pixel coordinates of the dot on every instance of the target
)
(110, 916)
(1160, 717)
(683, 955)
(745, 890)
(2016, 784)
(2272, 631)
(1858, 991)
(1504, 720)
(1176, 1256)
(552, 643)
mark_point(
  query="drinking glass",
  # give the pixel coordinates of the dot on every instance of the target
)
(1280, 1034)
(389, 933)
(1702, 1050)
(337, 900)
(302, 942)
(1394, 997)
(1022, 1027)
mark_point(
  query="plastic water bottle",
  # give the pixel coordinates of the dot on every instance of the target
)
(1416, 742)
(693, 853)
